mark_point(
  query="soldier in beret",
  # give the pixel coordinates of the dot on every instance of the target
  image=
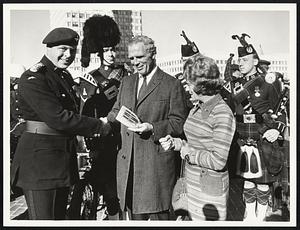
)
(45, 163)
(98, 92)
(259, 127)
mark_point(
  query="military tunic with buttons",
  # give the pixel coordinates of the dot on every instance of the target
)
(254, 96)
(46, 161)
(98, 92)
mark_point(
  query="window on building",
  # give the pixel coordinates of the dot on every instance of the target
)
(81, 15)
(68, 15)
(73, 15)
(69, 24)
(75, 24)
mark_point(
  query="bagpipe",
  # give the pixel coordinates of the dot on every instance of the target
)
(271, 116)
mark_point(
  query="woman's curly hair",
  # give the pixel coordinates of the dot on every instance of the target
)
(204, 74)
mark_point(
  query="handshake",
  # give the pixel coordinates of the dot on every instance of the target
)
(105, 129)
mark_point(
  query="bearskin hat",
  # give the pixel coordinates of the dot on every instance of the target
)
(98, 31)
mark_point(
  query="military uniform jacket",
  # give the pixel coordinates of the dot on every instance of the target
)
(256, 95)
(164, 106)
(99, 89)
(49, 161)
(98, 93)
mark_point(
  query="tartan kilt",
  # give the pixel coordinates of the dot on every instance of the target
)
(250, 130)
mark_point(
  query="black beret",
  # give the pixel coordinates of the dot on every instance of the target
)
(61, 36)
(243, 51)
(264, 62)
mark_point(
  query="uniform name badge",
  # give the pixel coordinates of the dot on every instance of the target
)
(111, 92)
(249, 118)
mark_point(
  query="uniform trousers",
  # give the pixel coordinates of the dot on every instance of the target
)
(47, 204)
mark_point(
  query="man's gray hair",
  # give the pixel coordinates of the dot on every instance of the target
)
(148, 43)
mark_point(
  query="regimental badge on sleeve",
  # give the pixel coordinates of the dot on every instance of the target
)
(88, 86)
(227, 86)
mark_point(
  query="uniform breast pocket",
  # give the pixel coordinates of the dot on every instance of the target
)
(50, 158)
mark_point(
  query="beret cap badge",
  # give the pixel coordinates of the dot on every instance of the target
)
(249, 49)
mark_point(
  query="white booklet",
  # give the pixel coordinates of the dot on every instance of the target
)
(127, 117)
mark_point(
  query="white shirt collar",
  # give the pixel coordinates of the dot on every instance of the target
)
(150, 75)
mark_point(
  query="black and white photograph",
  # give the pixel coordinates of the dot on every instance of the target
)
(149, 114)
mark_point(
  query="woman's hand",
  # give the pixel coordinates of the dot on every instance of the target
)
(166, 142)
(169, 142)
(187, 151)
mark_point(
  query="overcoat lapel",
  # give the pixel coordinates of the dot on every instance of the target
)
(134, 83)
(154, 82)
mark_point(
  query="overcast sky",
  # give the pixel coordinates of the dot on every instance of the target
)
(210, 30)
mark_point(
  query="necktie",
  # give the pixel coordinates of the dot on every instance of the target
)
(143, 88)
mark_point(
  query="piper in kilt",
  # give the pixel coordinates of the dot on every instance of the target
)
(258, 130)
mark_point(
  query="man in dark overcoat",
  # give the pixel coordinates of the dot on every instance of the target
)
(145, 172)
(45, 162)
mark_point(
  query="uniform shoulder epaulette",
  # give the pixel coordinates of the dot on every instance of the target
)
(89, 78)
(37, 67)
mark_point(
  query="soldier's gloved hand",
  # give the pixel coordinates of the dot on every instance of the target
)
(142, 128)
(271, 135)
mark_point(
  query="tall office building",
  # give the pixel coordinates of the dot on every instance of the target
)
(129, 21)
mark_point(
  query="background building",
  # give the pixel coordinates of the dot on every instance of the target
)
(130, 24)
(174, 64)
